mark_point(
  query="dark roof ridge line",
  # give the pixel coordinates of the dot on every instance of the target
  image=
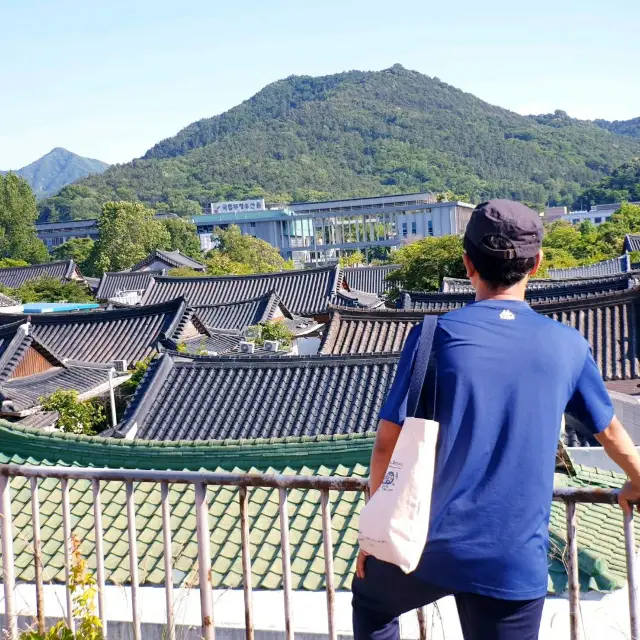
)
(272, 274)
(284, 360)
(43, 264)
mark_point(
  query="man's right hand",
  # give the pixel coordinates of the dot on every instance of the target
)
(362, 558)
(628, 493)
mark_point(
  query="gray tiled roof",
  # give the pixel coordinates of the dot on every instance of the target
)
(14, 277)
(116, 282)
(352, 299)
(361, 332)
(173, 259)
(370, 279)
(305, 292)
(632, 242)
(128, 334)
(614, 266)
(208, 399)
(241, 314)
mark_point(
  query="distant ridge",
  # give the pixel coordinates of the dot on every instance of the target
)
(56, 169)
(360, 133)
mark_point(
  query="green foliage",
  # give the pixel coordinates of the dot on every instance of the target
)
(352, 259)
(74, 416)
(186, 272)
(623, 185)
(139, 370)
(183, 237)
(622, 127)
(83, 592)
(238, 254)
(18, 215)
(358, 134)
(272, 330)
(7, 263)
(128, 233)
(48, 289)
(424, 263)
(77, 249)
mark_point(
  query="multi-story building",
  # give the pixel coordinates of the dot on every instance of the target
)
(321, 231)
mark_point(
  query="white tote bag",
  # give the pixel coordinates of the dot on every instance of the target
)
(394, 524)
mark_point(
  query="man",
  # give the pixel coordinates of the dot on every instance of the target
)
(505, 376)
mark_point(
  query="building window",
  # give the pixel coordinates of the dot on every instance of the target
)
(598, 220)
(253, 225)
(575, 220)
(430, 227)
(608, 218)
(414, 228)
(404, 229)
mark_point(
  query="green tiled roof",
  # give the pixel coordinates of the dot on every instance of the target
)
(601, 541)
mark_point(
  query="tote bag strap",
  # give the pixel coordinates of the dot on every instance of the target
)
(421, 365)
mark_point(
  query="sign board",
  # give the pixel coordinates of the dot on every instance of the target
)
(237, 206)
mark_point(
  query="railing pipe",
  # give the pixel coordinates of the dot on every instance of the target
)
(97, 527)
(168, 560)
(286, 564)
(572, 572)
(328, 564)
(133, 560)
(632, 578)
(8, 569)
(246, 563)
(204, 561)
(37, 555)
(66, 532)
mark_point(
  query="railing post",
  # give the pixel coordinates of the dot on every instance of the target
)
(572, 571)
(168, 559)
(133, 559)
(66, 532)
(246, 563)
(8, 571)
(37, 555)
(328, 563)
(286, 563)
(630, 548)
(97, 527)
(422, 623)
(204, 561)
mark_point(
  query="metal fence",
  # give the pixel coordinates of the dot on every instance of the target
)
(200, 482)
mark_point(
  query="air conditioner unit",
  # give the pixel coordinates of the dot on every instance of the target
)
(271, 345)
(120, 366)
(247, 347)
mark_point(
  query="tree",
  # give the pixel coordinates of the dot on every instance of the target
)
(76, 249)
(7, 263)
(48, 289)
(242, 254)
(18, 215)
(128, 234)
(424, 263)
(183, 237)
(74, 416)
(352, 259)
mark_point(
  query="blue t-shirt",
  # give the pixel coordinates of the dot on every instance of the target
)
(505, 376)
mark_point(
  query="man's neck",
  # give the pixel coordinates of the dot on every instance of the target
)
(515, 292)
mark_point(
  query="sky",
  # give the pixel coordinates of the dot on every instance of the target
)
(108, 80)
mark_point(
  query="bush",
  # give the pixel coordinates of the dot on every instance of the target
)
(75, 416)
(272, 330)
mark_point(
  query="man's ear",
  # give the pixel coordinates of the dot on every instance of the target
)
(536, 266)
(468, 266)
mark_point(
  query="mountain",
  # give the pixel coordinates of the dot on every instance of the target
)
(358, 134)
(622, 127)
(59, 167)
(622, 185)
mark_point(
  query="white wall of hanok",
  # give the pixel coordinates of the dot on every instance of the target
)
(603, 615)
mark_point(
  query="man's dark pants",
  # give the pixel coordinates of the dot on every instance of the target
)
(386, 592)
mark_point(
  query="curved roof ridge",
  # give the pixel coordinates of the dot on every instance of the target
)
(269, 274)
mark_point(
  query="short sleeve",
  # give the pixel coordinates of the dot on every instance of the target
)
(395, 406)
(590, 403)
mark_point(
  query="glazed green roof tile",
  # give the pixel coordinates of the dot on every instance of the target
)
(600, 537)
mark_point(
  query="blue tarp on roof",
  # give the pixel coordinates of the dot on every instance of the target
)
(58, 307)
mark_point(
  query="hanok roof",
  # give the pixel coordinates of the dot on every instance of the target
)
(371, 279)
(352, 299)
(130, 334)
(360, 332)
(115, 283)
(30, 370)
(172, 259)
(613, 266)
(212, 399)
(632, 242)
(305, 292)
(63, 270)
(601, 543)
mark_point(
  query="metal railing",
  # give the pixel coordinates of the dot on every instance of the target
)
(200, 482)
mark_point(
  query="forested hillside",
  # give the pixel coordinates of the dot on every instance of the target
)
(622, 127)
(623, 185)
(359, 133)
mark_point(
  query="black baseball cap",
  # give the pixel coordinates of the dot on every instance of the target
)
(513, 221)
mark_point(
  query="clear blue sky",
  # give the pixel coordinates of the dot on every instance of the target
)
(109, 79)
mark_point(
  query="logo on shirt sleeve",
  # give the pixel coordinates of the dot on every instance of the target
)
(507, 315)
